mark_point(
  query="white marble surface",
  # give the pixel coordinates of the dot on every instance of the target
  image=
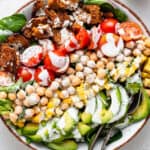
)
(141, 142)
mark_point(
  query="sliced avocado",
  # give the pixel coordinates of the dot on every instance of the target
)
(35, 138)
(83, 128)
(65, 145)
(105, 116)
(30, 129)
(86, 118)
(123, 107)
(144, 109)
(69, 122)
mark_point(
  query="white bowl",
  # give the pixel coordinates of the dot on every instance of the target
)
(128, 133)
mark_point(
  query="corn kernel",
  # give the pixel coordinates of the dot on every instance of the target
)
(68, 101)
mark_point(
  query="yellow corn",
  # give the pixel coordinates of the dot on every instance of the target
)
(20, 123)
(147, 66)
(50, 104)
(68, 101)
(145, 75)
(37, 118)
(49, 113)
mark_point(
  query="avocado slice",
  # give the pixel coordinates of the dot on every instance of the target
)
(65, 145)
(86, 118)
(106, 116)
(143, 110)
(83, 128)
(30, 129)
(123, 107)
(35, 138)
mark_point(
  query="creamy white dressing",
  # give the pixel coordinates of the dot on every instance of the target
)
(76, 134)
(96, 34)
(30, 52)
(44, 77)
(73, 112)
(47, 44)
(5, 32)
(91, 106)
(110, 49)
(61, 123)
(58, 61)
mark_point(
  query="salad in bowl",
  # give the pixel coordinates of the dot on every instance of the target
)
(74, 72)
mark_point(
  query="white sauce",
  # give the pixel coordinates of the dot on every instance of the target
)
(91, 106)
(44, 77)
(76, 134)
(73, 112)
(5, 32)
(110, 49)
(30, 52)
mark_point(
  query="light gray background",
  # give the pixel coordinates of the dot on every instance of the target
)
(142, 140)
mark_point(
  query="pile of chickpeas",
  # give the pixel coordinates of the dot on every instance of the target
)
(89, 67)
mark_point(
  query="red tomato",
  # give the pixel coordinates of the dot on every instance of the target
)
(109, 25)
(43, 76)
(25, 73)
(56, 61)
(130, 31)
(83, 38)
(32, 56)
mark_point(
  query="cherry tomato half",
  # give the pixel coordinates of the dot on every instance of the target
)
(83, 38)
(32, 56)
(43, 76)
(109, 25)
(25, 73)
(130, 31)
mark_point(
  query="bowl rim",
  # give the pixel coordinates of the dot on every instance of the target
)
(145, 121)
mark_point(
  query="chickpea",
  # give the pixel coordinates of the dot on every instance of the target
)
(105, 60)
(18, 110)
(79, 67)
(3, 95)
(64, 94)
(44, 101)
(91, 64)
(146, 52)
(71, 90)
(80, 52)
(64, 106)
(65, 82)
(136, 52)
(13, 117)
(33, 99)
(147, 42)
(21, 95)
(76, 81)
(29, 113)
(88, 53)
(80, 75)
(48, 93)
(130, 44)
(18, 102)
(100, 64)
(87, 71)
(12, 96)
(84, 59)
(140, 46)
(93, 57)
(79, 104)
(127, 52)
(70, 70)
(120, 58)
(96, 88)
(74, 58)
(30, 89)
(36, 85)
(90, 78)
(44, 108)
(99, 54)
(26, 103)
(58, 111)
(110, 66)
(71, 77)
(101, 73)
(41, 91)
(54, 85)
(36, 110)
